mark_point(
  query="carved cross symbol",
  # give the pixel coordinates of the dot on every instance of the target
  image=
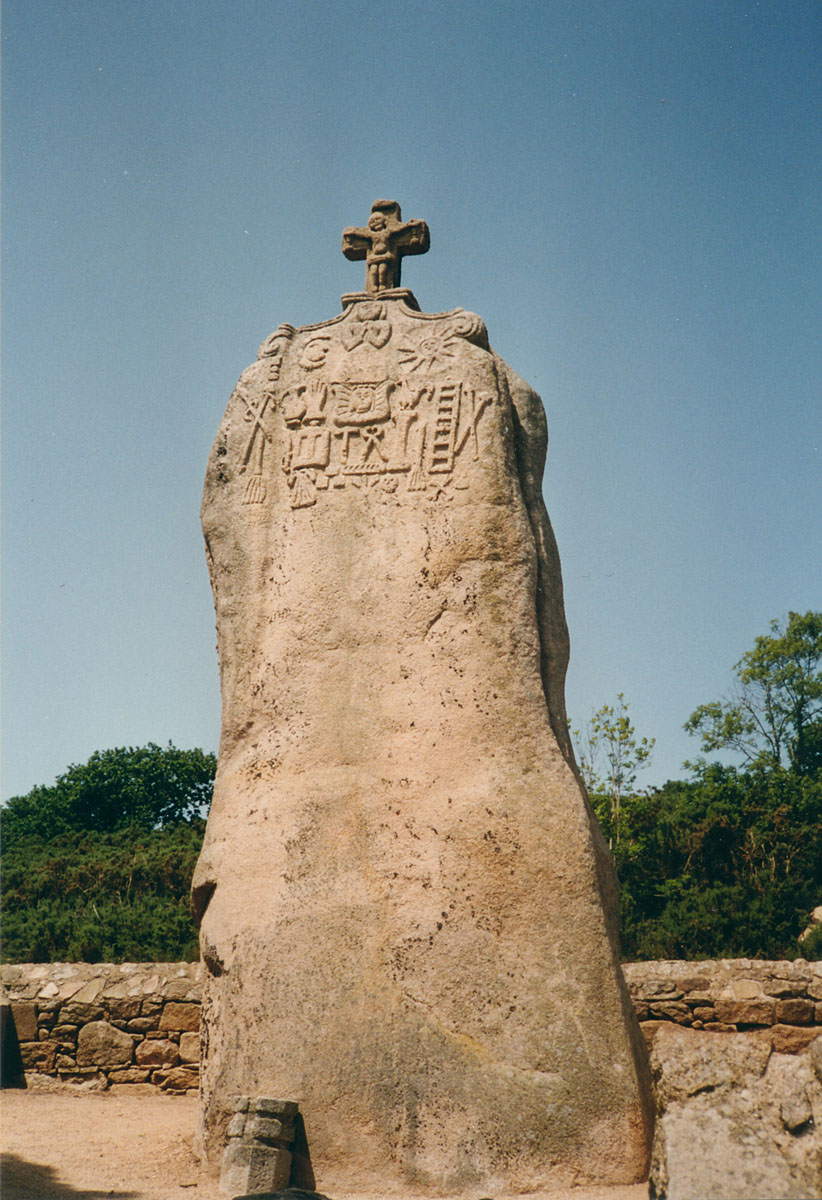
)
(255, 415)
(383, 244)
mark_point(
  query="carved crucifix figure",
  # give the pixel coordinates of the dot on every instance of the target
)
(383, 243)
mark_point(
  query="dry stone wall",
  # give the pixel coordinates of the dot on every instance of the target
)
(108, 1025)
(729, 996)
(139, 1022)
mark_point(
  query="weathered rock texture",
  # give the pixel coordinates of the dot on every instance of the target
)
(407, 909)
(736, 1120)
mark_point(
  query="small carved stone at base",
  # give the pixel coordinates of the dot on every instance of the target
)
(257, 1159)
(292, 1193)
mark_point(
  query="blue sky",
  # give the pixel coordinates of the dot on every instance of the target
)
(628, 193)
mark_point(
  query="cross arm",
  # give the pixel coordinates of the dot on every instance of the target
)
(356, 243)
(415, 238)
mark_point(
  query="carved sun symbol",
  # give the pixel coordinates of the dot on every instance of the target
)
(426, 352)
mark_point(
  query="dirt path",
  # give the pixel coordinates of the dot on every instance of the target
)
(89, 1146)
(99, 1146)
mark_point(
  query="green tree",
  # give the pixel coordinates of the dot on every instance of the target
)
(773, 716)
(610, 755)
(98, 866)
(147, 787)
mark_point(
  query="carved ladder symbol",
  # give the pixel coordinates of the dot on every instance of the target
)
(443, 443)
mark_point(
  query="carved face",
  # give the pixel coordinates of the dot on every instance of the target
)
(376, 222)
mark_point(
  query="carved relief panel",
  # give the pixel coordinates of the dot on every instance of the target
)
(382, 398)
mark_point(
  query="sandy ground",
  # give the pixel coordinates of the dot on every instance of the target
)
(91, 1146)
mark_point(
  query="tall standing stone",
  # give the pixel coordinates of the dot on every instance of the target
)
(408, 913)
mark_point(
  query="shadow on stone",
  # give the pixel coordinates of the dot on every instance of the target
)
(22, 1180)
(302, 1172)
(11, 1062)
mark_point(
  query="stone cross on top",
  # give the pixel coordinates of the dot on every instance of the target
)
(383, 243)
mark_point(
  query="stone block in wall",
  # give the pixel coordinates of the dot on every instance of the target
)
(742, 989)
(122, 1008)
(658, 989)
(745, 1012)
(687, 1063)
(671, 1010)
(692, 983)
(91, 991)
(94, 1079)
(651, 1028)
(24, 1015)
(700, 998)
(67, 1032)
(179, 1016)
(100, 1044)
(142, 1024)
(190, 1047)
(795, 1011)
(73, 1013)
(181, 989)
(156, 1052)
(181, 1079)
(38, 1056)
(784, 988)
(129, 1075)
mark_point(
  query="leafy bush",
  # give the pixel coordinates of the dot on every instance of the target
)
(97, 868)
(728, 864)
